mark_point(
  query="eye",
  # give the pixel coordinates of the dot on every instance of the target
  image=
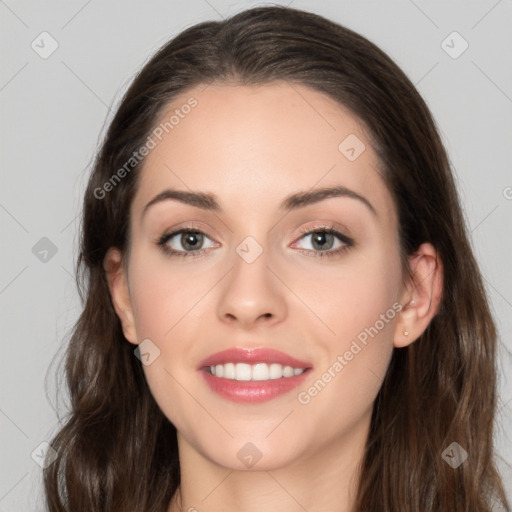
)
(322, 241)
(186, 241)
(189, 242)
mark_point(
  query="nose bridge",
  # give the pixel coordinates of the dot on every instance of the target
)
(250, 290)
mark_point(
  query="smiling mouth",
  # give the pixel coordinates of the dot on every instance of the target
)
(253, 372)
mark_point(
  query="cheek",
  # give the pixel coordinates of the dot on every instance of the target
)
(163, 296)
(163, 300)
(343, 389)
(361, 307)
(359, 296)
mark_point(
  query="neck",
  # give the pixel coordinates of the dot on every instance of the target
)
(324, 480)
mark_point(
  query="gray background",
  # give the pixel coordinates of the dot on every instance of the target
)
(54, 109)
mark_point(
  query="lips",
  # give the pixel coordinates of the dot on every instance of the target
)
(253, 356)
(252, 391)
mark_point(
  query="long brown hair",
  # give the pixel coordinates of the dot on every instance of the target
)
(118, 452)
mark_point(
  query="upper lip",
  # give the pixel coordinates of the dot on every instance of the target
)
(253, 356)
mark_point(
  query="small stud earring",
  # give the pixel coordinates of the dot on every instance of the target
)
(406, 333)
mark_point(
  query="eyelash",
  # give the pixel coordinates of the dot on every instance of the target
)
(347, 242)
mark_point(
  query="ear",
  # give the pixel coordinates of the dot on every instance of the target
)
(119, 292)
(421, 297)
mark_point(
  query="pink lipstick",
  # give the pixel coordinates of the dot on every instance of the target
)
(252, 375)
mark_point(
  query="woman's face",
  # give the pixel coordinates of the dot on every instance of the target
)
(253, 278)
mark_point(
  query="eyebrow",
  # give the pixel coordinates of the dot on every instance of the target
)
(207, 201)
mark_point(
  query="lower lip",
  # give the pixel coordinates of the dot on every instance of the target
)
(252, 391)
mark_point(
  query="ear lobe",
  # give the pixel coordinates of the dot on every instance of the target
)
(422, 297)
(119, 292)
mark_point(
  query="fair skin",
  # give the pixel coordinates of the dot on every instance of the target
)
(252, 147)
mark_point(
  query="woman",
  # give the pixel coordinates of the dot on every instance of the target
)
(281, 306)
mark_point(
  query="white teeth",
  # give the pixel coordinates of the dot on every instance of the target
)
(287, 371)
(276, 371)
(242, 371)
(229, 370)
(259, 371)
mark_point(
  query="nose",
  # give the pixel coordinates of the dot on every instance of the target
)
(252, 294)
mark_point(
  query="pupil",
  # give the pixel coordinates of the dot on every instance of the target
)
(191, 239)
(320, 239)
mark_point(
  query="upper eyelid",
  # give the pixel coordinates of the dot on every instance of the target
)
(175, 232)
(339, 234)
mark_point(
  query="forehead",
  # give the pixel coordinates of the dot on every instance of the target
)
(253, 145)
